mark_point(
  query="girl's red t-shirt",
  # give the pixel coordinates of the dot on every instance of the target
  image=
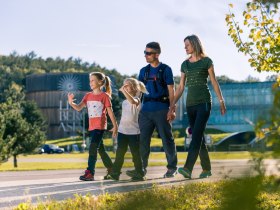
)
(97, 110)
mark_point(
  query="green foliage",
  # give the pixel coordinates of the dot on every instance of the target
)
(197, 196)
(23, 128)
(262, 32)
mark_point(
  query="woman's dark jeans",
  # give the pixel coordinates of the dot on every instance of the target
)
(133, 141)
(198, 116)
(97, 145)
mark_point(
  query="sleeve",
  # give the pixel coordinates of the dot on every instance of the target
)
(141, 75)
(169, 76)
(85, 99)
(183, 67)
(209, 63)
(107, 101)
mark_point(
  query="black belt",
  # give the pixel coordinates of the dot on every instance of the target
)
(164, 99)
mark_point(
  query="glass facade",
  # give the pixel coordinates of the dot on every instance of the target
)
(245, 102)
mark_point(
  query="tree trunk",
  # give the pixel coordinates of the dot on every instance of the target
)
(15, 161)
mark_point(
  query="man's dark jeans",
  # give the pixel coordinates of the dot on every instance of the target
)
(133, 141)
(97, 145)
(148, 121)
(198, 116)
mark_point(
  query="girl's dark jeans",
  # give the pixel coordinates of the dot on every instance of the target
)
(198, 116)
(97, 145)
(133, 141)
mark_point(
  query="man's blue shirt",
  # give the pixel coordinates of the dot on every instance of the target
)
(151, 106)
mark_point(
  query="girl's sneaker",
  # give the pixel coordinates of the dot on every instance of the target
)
(205, 174)
(107, 176)
(115, 176)
(87, 176)
(185, 172)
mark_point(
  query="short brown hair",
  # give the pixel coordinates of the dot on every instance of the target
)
(155, 46)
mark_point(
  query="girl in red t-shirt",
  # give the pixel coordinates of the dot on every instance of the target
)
(98, 104)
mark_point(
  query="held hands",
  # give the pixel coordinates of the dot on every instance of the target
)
(114, 131)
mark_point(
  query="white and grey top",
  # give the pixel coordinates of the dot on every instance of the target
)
(129, 119)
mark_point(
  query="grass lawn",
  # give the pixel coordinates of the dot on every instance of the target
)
(108, 141)
(46, 161)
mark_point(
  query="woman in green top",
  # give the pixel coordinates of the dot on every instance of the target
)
(194, 72)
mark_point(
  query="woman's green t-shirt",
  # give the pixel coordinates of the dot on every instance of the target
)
(196, 75)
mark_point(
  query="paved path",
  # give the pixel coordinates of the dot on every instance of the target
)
(34, 186)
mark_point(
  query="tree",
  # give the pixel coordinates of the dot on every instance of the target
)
(24, 125)
(263, 35)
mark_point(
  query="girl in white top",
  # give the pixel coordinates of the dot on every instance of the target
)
(128, 131)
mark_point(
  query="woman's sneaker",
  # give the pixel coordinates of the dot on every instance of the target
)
(185, 172)
(205, 174)
(88, 176)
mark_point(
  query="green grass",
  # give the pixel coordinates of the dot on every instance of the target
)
(108, 141)
(25, 164)
(246, 193)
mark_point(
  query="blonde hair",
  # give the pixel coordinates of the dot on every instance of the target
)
(196, 44)
(106, 82)
(138, 86)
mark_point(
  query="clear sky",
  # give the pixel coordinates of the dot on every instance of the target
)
(113, 33)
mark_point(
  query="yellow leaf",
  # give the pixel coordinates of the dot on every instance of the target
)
(231, 5)
(247, 16)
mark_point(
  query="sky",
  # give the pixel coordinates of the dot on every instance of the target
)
(114, 33)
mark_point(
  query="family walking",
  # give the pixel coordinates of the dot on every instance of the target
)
(149, 105)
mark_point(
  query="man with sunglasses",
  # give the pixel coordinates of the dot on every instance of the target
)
(154, 114)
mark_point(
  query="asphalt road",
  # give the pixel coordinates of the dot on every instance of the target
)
(38, 186)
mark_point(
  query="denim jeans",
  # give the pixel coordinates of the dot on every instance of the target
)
(97, 145)
(148, 121)
(198, 116)
(133, 142)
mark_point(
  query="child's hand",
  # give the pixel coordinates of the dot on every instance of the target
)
(122, 88)
(114, 131)
(70, 98)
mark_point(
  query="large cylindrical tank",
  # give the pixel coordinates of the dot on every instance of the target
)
(49, 91)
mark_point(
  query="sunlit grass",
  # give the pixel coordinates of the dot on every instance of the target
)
(198, 196)
(79, 160)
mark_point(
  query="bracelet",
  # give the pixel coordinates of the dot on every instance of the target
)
(222, 101)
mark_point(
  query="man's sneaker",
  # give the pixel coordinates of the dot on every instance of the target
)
(87, 176)
(205, 174)
(170, 173)
(109, 170)
(114, 176)
(138, 177)
(185, 172)
(132, 173)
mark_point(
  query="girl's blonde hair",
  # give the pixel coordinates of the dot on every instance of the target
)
(106, 82)
(138, 86)
(196, 44)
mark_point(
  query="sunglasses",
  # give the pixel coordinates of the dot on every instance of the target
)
(149, 53)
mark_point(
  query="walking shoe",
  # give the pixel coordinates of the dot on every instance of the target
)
(114, 176)
(109, 170)
(138, 177)
(185, 172)
(132, 173)
(170, 173)
(205, 174)
(87, 176)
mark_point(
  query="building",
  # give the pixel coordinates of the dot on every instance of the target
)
(246, 102)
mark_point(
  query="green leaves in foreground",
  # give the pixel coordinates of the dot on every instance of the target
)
(247, 193)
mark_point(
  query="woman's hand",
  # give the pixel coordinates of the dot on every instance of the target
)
(223, 107)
